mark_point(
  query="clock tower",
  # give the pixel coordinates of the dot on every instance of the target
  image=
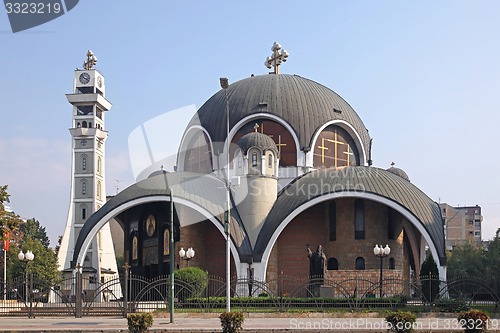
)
(88, 189)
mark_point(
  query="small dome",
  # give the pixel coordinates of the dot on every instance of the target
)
(256, 139)
(398, 172)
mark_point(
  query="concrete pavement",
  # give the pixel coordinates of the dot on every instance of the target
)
(311, 322)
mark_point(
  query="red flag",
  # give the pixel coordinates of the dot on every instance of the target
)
(6, 242)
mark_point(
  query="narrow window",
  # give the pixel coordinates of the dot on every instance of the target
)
(333, 264)
(90, 124)
(84, 213)
(254, 159)
(270, 160)
(359, 219)
(392, 263)
(360, 263)
(99, 165)
(390, 224)
(332, 216)
(98, 189)
(84, 124)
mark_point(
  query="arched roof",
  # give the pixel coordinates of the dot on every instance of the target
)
(357, 180)
(202, 190)
(256, 139)
(304, 104)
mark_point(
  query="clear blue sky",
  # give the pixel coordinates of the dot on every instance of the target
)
(423, 75)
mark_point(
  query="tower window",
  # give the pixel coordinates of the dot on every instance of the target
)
(359, 219)
(332, 264)
(360, 263)
(270, 160)
(332, 219)
(392, 263)
(84, 213)
(99, 165)
(84, 124)
(254, 159)
(90, 124)
(99, 189)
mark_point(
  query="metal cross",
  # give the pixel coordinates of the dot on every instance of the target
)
(276, 58)
(91, 60)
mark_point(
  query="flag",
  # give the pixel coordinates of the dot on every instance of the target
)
(6, 242)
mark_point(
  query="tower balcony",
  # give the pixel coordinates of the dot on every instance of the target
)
(86, 99)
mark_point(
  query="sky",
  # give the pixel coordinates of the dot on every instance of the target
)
(424, 76)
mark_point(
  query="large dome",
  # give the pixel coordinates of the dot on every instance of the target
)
(304, 104)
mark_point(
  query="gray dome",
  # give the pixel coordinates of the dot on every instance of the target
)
(304, 104)
(398, 172)
(256, 139)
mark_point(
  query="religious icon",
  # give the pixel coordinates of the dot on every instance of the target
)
(134, 248)
(150, 225)
(166, 242)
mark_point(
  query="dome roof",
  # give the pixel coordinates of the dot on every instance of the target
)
(256, 139)
(304, 104)
(398, 172)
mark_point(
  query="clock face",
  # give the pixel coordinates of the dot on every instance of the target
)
(99, 81)
(84, 78)
(150, 225)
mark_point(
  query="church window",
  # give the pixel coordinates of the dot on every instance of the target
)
(390, 224)
(360, 263)
(332, 264)
(90, 124)
(334, 147)
(392, 263)
(84, 188)
(270, 160)
(84, 124)
(332, 217)
(84, 163)
(254, 159)
(359, 219)
(99, 165)
(240, 160)
(84, 213)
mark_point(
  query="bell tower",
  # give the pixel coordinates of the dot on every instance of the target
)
(88, 190)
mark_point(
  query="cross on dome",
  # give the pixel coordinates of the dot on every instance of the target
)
(279, 55)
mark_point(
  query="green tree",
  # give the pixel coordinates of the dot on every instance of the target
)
(9, 221)
(429, 277)
(465, 260)
(33, 238)
(492, 261)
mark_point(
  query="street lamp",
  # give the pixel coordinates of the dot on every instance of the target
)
(381, 252)
(27, 258)
(186, 255)
(224, 83)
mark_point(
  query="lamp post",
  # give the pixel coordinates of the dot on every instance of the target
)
(224, 83)
(27, 258)
(381, 252)
(186, 255)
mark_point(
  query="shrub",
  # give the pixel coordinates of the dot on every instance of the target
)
(401, 321)
(193, 278)
(231, 321)
(139, 322)
(473, 321)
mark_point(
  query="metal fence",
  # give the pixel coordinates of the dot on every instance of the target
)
(79, 296)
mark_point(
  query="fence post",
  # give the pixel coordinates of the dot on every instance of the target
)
(125, 292)
(79, 290)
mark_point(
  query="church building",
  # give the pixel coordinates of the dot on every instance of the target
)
(295, 159)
